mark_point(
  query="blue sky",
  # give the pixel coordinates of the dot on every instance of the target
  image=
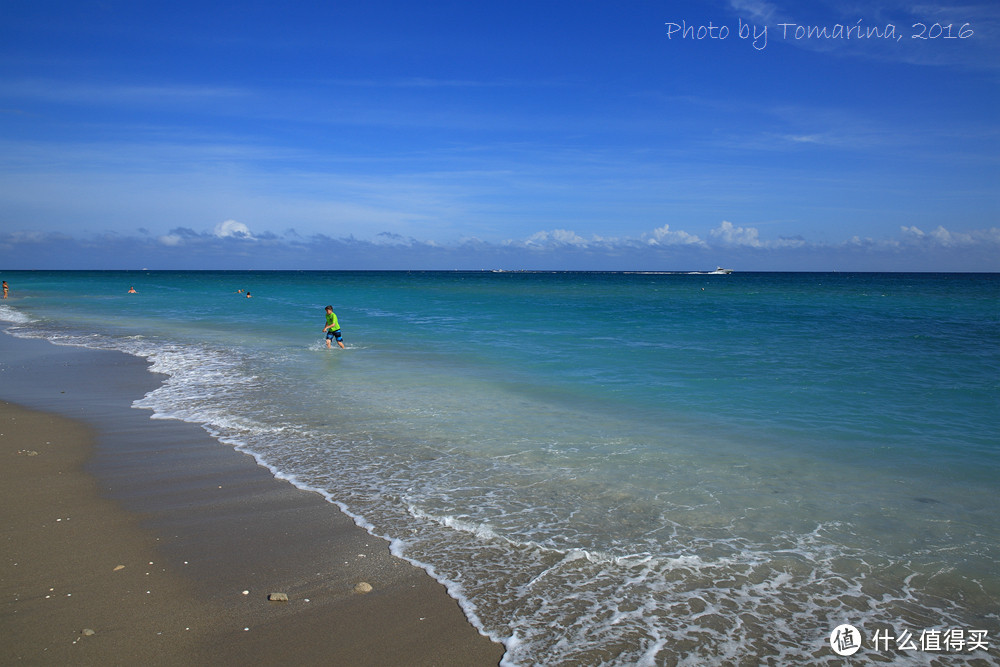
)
(520, 135)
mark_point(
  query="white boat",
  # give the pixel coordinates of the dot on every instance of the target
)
(719, 271)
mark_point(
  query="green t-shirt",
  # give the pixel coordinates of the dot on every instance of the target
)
(331, 322)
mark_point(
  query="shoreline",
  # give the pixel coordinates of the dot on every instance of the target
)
(196, 523)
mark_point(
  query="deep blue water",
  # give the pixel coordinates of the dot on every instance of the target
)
(631, 468)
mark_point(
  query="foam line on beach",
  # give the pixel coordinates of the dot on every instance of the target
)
(220, 525)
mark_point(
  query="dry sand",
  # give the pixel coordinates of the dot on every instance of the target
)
(203, 533)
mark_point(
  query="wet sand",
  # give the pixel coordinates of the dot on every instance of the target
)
(128, 540)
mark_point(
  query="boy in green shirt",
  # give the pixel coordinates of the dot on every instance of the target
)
(332, 328)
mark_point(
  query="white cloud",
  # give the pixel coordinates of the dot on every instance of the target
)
(729, 245)
(556, 237)
(945, 238)
(231, 228)
(733, 238)
(29, 236)
(663, 236)
(170, 240)
(392, 238)
(728, 234)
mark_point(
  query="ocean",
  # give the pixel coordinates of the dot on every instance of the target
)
(611, 468)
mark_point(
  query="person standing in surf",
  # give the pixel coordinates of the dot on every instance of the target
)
(332, 328)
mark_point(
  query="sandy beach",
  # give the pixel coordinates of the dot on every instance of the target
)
(128, 540)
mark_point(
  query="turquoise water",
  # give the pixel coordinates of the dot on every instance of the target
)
(608, 468)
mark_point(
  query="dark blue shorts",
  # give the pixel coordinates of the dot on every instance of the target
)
(334, 334)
